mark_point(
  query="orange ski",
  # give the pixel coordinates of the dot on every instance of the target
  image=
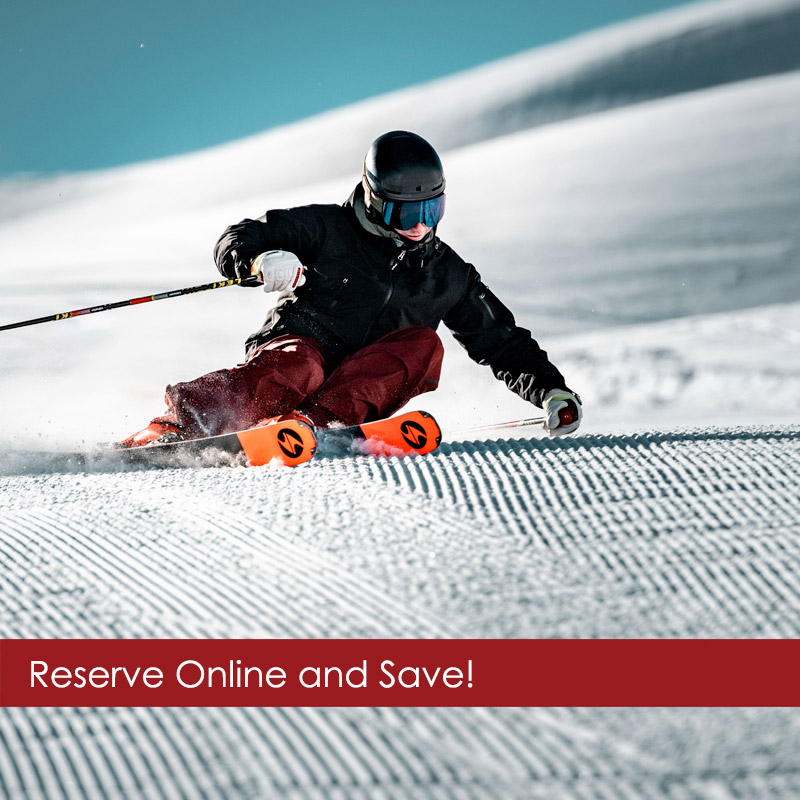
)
(405, 434)
(291, 443)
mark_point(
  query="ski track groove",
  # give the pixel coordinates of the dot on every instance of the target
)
(49, 782)
(111, 773)
(100, 558)
(120, 737)
(17, 768)
(162, 760)
(18, 556)
(110, 563)
(335, 584)
(704, 527)
(180, 755)
(71, 755)
(389, 767)
(323, 765)
(546, 758)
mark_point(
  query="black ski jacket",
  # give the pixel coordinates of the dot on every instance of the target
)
(361, 285)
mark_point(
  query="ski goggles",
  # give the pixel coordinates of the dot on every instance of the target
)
(404, 215)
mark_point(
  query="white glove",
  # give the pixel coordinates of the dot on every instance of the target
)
(562, 412)
(279, 270)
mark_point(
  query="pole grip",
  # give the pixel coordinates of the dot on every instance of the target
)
(567, 416)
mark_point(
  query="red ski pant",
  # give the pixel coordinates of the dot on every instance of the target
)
(289, 373)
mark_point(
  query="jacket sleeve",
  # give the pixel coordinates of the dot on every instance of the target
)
(485, 327)
(298, 230)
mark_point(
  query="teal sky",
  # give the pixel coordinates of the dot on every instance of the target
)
(86, 84)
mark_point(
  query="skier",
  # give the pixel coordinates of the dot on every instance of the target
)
(363, 288)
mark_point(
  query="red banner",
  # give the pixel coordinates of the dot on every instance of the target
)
(399, 672)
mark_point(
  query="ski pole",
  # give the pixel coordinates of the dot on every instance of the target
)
(134, 302)
(565, 415)
(517, 423)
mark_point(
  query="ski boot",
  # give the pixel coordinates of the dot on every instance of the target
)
(161, 430)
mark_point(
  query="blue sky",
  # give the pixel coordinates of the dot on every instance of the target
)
(86, 84)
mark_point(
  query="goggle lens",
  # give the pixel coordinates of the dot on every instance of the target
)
(403, 216)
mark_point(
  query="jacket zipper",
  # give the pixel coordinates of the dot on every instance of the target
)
(393, 264)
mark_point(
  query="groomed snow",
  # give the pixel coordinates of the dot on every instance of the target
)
(647, 234)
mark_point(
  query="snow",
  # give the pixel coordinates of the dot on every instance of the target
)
(632, 194)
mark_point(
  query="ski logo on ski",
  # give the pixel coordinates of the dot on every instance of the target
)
(290, 442)
(414, 434)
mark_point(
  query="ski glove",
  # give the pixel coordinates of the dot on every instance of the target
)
(279, 270)
(238, 246)
(562, 412)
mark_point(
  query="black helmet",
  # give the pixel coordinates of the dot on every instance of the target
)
(404, 181)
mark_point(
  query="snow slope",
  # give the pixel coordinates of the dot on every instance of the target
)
(633, 195)
(667, 535)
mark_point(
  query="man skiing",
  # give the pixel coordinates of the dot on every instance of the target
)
(353, 336)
